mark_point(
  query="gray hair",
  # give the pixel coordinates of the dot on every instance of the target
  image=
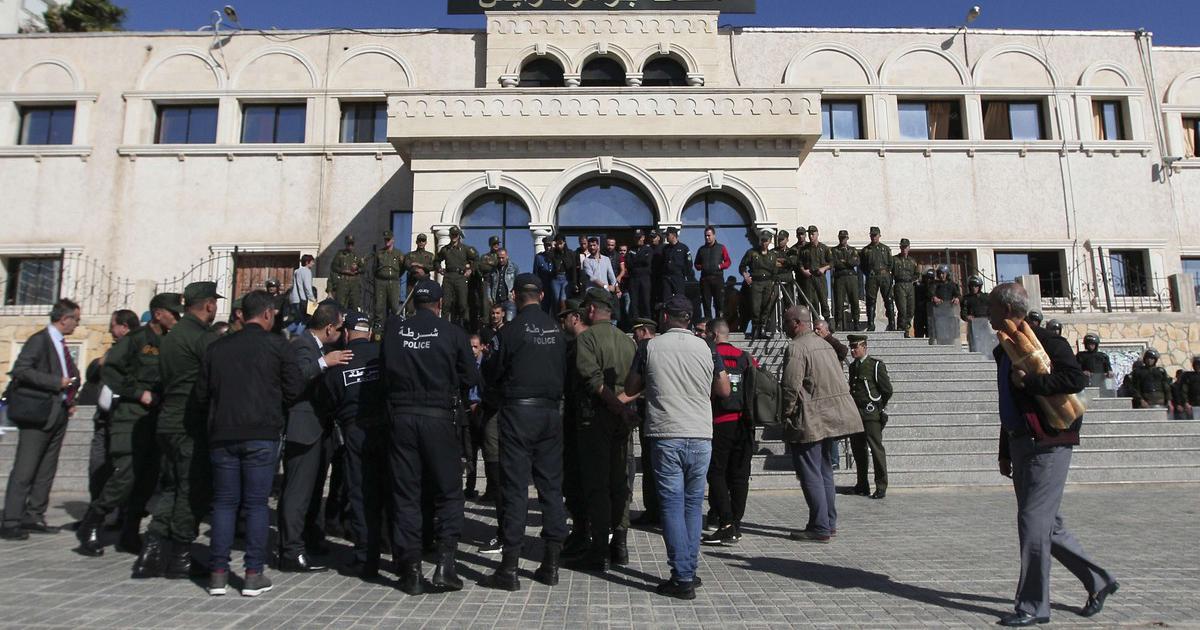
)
(1012, 297)
(799, 314)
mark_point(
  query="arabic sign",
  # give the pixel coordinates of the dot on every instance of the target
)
(479, 6)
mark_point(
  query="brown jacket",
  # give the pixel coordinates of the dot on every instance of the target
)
(816, 398)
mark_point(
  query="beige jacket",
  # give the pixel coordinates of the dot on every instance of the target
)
(816, 397)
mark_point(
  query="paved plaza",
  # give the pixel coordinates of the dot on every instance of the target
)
(918, 559)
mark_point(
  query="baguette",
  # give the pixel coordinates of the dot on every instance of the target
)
(1026, 353)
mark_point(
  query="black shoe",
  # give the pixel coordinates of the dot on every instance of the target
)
(678, 590)
(879, 493)
(594, 561)
(218, 583)
(727, 536)
(13, 533)
(179, 563)
(548, 573)
(576, 544)
(366, 571)
(471, 494)
(491, 547)
(618, 548)
(445, 577)
(150, 561)
(255, 584)
(300, 564)
(88, 534)
(505, 576)
(862, 491)
(130, 541)
(316, 548)
(40, 527)
(808, 535)
(1095, 602)
(1018, 620)
(645, 519)
(411, 581)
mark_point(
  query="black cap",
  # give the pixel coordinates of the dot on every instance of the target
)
(356, 320)
(596, 295)
(454, 231)
(1151, 353)
(1091, 338)
(1034, 317)
(853, 339)
(171, 301)
(574, 306)
(427, 292)
(678, 305)
(673, 230)
(526, 281)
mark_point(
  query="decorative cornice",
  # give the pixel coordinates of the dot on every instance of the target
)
(564, 147)
(512, 104)
(601, 24)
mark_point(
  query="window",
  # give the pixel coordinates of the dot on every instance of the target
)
(930, 120)
(364, 122)
(723, 212)
(664, 72)
(841, 120)
(402, 222)
(1191, 137)
(498, 214)
(275, 122)
(541, 73)
(32, 281)
(1191, 267)
(602, 72)
(47, 125)
(1129, 273)
(1109, 120)
(605, 202)
(1046, 265)
(1013, 120)
(186, 124)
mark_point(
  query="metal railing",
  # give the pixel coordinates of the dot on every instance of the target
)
(72, 275)
(220, 268)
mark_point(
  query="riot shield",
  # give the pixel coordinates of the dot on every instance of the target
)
(943, 325)
(982, 338)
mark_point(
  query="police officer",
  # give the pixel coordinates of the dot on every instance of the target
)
(944, 289)
(427, 369)
(346, 278)
(132, 372)
(904, 274)
(871, 389)
(181, 432)
(975, 303)
(1034, 318)
(875, 262)
(528, 370)
(1150, 385)
(355, 397)
(1095, 364)
(815, 260)
(844, 260)
(758, 268)
(638, 262)
(921, 297)
(419, 264)
(1054, 326)
(457, 261)
(573, 322)
(677, 264)
(387, 267)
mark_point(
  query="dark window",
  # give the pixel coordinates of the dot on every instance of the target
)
(402, 223)
(1013, 120)
(1129, 272)
(723, 212)
(498, 214)
(605, 202)
(32, 281)
(664, 72)
(542, 73)
(1109, 120)
(275, 122)
(930, 120)
(364, 122)
(841, 120)
(186, 124)
(1046, 265)
(47, 125)
(603, 72)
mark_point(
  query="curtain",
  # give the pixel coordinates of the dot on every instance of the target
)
(1189, 137)
(1098, 121)
(996, 123)
(939, 120)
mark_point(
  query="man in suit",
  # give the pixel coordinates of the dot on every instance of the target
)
(1038, 462)
(308, 446)
(44, 371)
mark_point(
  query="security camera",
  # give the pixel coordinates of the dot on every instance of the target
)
(231, 13)
(1171, 159)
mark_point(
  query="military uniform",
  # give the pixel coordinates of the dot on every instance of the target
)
(572, 481)
(1150, 386)
(419, 264)
(813, 258)
(457, 259)
(875, 262)
(871, 389)
(346, 279)
(785, 273)
(761, 267)
(904, 274)
(481, 302)
(387, 266)
(844, 259)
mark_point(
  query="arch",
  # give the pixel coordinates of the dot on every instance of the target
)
(614, 167)
(1179, 88)
(457, 202)
(266, 51)
(153, 68)
(604, 202)
(682, 54)
(893, 62)
(728, 214)
(602, 49)
(1091, 73)
(75, 78)
(993, 55)
(730, 185)
(791, 75)
(410, 79)
(499, 213)
(536, 51)
(541, 72)
(664, 70)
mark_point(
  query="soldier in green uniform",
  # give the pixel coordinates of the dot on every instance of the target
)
(785, 270)
(572, 321)
(183, 490)
(345, 281)
(875, 262)
(1150, 385)
(904, 274)
(481, 302)
(815, 260)
(419, 263)
(388, 264)
(844, 260)
(131, 371)
(758, 268)
(457, 261)
(871, 389)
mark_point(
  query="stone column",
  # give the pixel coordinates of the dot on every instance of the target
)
(441, 237)
(1033, 286)
(1183, 293)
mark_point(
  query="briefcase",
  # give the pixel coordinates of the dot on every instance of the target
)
(27, 406)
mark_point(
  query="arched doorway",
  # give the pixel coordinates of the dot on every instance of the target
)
(502, 215)
(724, 212)
(605, 207)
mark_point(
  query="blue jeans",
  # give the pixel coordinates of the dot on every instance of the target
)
(558, 290)
(242, 473)
(680, 469)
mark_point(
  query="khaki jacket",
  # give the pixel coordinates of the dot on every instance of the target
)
(816, 396)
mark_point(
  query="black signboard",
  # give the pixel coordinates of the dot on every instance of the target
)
(480, 6)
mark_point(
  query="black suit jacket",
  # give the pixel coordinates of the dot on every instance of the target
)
(38, 368)
(306, 424)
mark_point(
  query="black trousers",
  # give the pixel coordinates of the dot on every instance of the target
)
(99, 466)
(672, 285)
(368, 486)
(424, 449)
(33, 470)
(729, 470)
(639, 290)
(572, 477)
(531, 444)
(304, 470)
(712, 292)
(603, 448)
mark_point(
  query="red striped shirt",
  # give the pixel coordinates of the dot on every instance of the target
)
(729, 354)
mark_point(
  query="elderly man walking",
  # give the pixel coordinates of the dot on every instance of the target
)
(818, 409)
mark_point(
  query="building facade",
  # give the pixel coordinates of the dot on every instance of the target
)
(132, 162)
